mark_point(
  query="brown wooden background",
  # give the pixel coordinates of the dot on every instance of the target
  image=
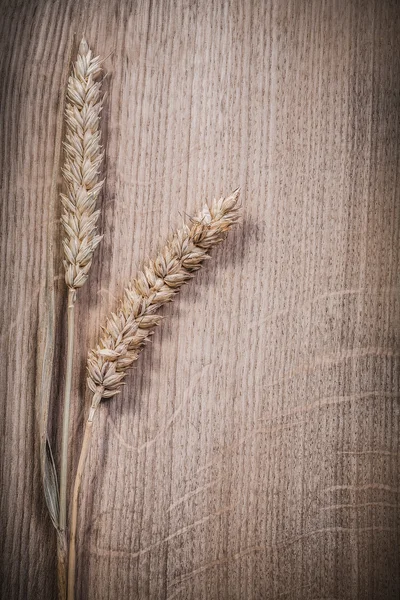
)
(254, 453)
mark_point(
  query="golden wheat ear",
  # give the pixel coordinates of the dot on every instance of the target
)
(83, 158)
(127, 330)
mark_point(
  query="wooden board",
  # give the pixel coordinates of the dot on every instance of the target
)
(254, 453)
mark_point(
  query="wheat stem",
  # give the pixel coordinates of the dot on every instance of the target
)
(127, 331)
(83, 159)
(67, 409)
(74, 515)
(62, 564)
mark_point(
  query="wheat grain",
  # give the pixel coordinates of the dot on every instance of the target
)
(81, 169)
(127, 330)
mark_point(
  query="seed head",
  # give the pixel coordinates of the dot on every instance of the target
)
(130, 327)
(83, 157)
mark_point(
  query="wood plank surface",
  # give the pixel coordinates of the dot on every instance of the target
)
(254, 453)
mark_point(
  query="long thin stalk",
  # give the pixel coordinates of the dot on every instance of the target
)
(126, 332)
(74, 515)
(67, 410)
(83, 159)
(62, 564)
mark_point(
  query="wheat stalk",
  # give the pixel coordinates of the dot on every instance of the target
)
(129, 328)
(83, 157)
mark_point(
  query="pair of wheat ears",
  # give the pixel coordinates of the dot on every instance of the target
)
(127, 329)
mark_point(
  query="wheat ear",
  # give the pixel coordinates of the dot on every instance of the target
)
(83, 157)
(128, 329)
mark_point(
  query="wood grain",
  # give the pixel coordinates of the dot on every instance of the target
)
(254, 453)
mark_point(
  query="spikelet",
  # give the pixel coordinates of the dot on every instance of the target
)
(81, 169)
(128, 329)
